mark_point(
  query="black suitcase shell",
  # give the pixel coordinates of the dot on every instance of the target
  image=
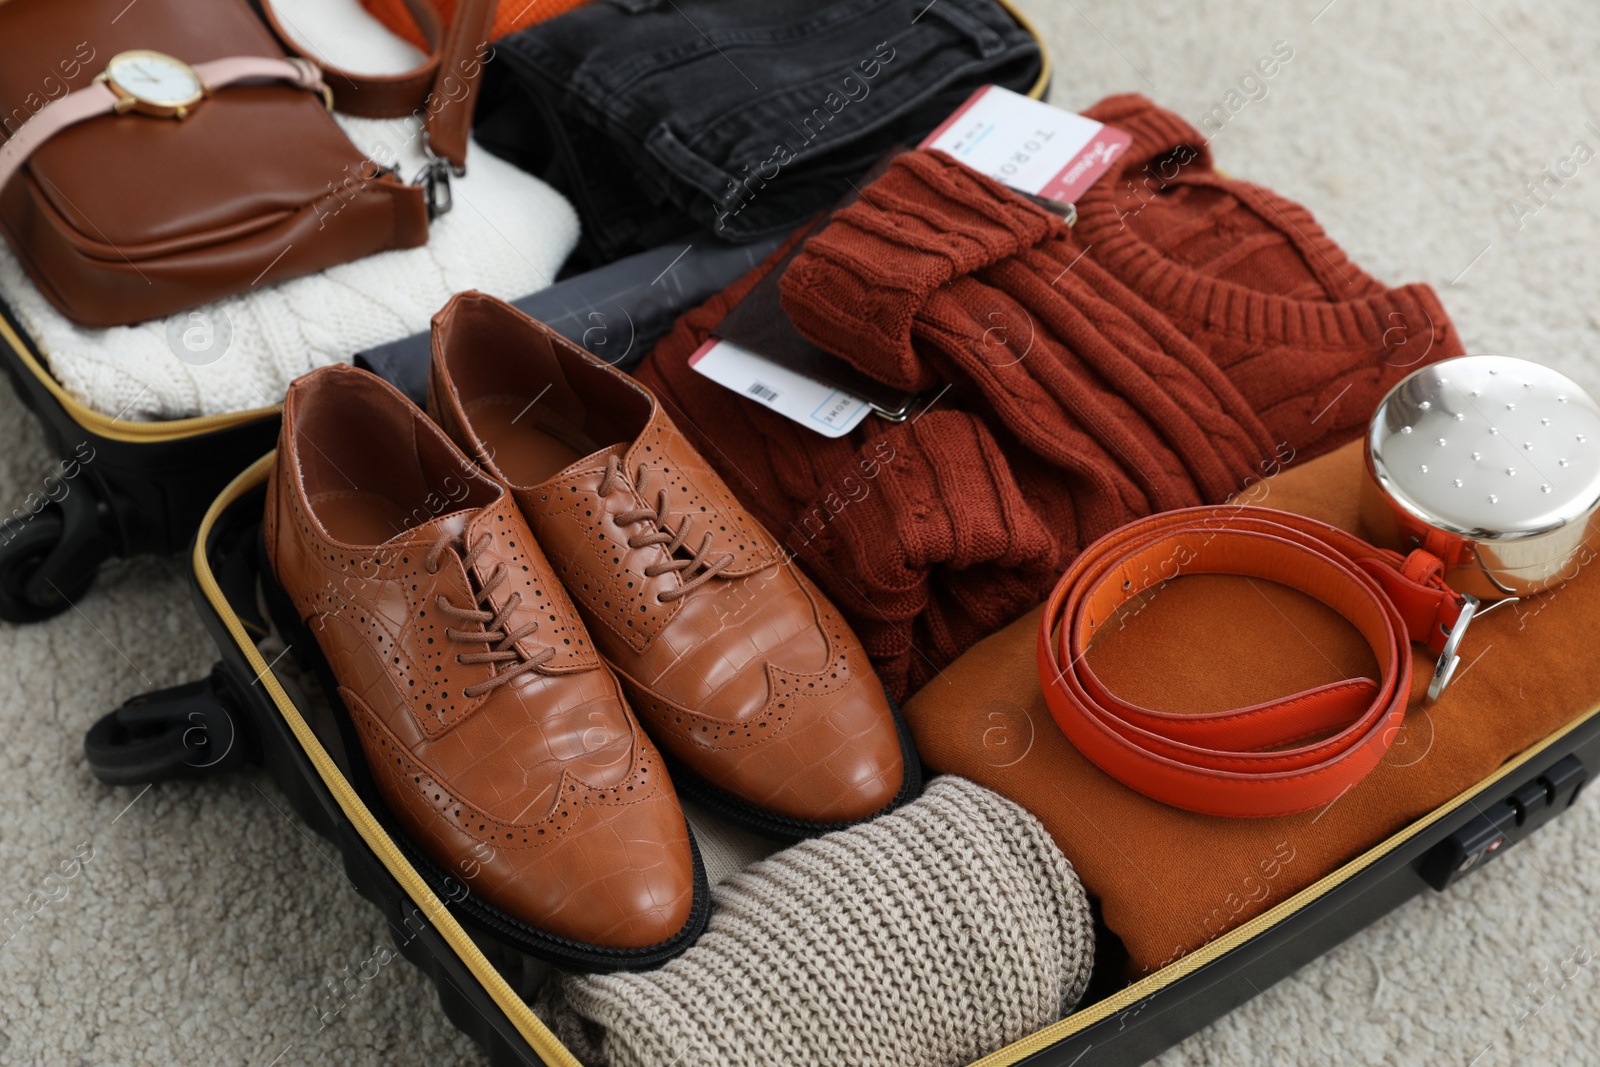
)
(126, 487)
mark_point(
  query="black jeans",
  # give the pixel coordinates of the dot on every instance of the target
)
(741, 117)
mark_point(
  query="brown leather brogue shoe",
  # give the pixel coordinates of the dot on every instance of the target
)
(495, 736)
(740, 669)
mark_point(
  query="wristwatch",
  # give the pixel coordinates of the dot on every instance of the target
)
(152, 83)
(1492, 464)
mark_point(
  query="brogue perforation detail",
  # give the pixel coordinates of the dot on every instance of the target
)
(618, 596)
(559, 625)
(697, 490)
(405, 772)
(786, 689)
(435, 707)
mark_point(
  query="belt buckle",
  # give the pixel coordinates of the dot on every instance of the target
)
(1449, 660)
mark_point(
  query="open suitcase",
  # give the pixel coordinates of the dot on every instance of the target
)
(246, 713)
(151, 486)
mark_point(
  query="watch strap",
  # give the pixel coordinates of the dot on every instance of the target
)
(301, 73)
(442, 90)
(94, 99)
(97, 99)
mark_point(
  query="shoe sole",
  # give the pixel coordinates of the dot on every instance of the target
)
(475, 912)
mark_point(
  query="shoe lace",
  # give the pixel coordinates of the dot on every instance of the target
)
(697, 563)
(491, 625)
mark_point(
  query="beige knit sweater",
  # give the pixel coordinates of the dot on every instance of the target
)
(926, 938)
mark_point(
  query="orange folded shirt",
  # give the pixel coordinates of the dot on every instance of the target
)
(1169, 880)
(509, 16)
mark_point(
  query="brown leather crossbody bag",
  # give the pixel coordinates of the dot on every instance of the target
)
(166, 153)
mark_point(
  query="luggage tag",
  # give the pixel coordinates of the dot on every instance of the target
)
(1049, 155)
(1035, 148)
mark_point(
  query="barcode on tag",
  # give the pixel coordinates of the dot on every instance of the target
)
(815, 405)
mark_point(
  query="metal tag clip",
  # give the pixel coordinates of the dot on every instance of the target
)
(1068, 212)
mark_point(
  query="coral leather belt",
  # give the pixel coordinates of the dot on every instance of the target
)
(1287, 755)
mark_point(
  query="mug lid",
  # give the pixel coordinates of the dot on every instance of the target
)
(1488, 447)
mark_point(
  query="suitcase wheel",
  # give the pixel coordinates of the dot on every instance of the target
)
(48, 559)
(186, 731)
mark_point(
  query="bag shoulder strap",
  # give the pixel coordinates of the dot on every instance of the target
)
(443, 89)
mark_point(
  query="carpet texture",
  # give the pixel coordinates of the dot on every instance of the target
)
(200, 924)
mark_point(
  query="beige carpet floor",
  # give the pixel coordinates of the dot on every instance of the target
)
(207, 922)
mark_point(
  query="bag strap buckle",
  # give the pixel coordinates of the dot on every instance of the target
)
(434, 177)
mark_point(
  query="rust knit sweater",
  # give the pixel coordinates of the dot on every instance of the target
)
(1191, 332)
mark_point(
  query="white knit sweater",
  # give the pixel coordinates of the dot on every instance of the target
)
(508, 235)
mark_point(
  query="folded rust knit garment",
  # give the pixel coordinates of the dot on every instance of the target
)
(1169, 880)
(1190, 332)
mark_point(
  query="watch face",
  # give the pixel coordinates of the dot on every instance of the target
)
(155, 79)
